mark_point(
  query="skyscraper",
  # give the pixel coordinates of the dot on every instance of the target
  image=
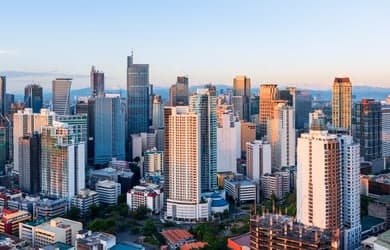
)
(385, 130)
(342, 103)
(178, 93)
(3, 85)
(182, 165)
(204, 103)
(241, 97)
(61, 95)
(137, 97)
(158, 113)
(258, 159)
(367, 128)
(281, 135)
(30, 163)
(303, 106)
(109, 129)
(268, 94)
(319, 182)
(228, 141)
(97, 82)
(63, 161)
(33, 97)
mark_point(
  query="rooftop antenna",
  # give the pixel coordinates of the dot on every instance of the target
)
(132, 52)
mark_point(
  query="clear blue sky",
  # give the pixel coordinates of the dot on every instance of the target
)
(305, 43)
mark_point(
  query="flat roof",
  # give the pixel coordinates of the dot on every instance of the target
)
(370, 221)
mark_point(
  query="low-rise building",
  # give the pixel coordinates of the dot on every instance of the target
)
(277, 183)
(148, 195)
(108, 192)
(240, 189)
(372, 226)
(240, 242)
(176, 238)
(11, 242)
(10, 220)
(380, 242)
(84, 200)
(47, 233)
(49, 208)
(87, 240)
(103, 174)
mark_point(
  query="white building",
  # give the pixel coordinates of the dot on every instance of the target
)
(95, 240)
(281, 136)
(141, 142)
(182, 163)
(386, 130)
(158, 112)
(258, 159)
(228, 142)
(61, 95)
(108, 192)
(277, 183)
(241, 190)
(84, 200)
(148, 195)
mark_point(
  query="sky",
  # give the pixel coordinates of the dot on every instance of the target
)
(304, 43)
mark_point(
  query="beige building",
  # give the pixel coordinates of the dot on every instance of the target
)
(342, 103)
(268, 94)
(248, 134)
(182, 149)
(56, 230)
(241, 97)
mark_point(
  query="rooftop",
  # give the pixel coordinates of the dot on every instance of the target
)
(242, 240)
(370, 221)
(127, 246)
(176, 235)
(193, 245)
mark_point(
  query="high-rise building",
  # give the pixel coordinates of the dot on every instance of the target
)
(248, 134)
(277, 184)
(108, 130)
(6, 150)
(367, 128)
(342, 103)
(178, 93)
(204, 103)
(63, 161)
(228, 142)
(182, 165)
(158, 112)
(33, 97)
(153, 162)
(303, 106)
(30, 163)
(268, 94)
(137, 97)
(3, 85)
(26, 123)
(61, 95)
(385, 130)
(289, 95)
(281, 136)
(319, 178)
(97, 82)
(79, 125)
(258, 159)
(242, 97)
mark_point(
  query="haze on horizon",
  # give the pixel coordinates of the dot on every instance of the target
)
(304, 43)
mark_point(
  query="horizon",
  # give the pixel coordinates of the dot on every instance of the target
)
(280, 42)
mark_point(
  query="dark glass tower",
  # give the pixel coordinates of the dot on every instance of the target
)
(367, 128)
(178, 93)
(137, 97)
(33, 97)
(2, 95)
(97, 82)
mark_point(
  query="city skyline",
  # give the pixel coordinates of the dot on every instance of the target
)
(293, 43)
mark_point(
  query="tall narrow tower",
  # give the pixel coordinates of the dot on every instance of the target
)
(61, 95)
(97, 82)
(241, 97)
(342, 103)
(268, 94)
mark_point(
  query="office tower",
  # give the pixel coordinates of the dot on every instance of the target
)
(281, 135)
(178, 93)
(350, 167)
(342, 103)
(319, 177)
(137, 97)
(228, 142)
(303, 106)
(268, 94)
(3, 85)
(4, 140)
(182, 165)
(61, 95)
(82, 105)
(258, 159)
(367, 128)
(33, 97)
(254, 102)
(9, 101)
(385, 130)
(204, 103)
(108, 192)
(241, 97)
(63, 161)
(78, 124)
(26, 123)
(274, 231)
(248, 134)
(289, 95)
(158, 112)
(30, 163)
(277, 184)
(153, 162)
(108, 132)
(97, 82)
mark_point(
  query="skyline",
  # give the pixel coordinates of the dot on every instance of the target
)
(302, 44)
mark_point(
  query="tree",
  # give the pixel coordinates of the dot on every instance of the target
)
(140, 213)
(149, 228)
(74, 214)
